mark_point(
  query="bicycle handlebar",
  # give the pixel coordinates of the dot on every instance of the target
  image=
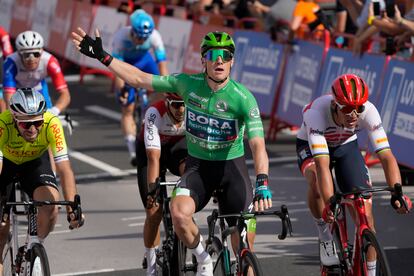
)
(283, 214)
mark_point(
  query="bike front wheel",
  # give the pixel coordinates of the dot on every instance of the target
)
(370, 244)
(9, 268)
(249, 264)
(39, 263)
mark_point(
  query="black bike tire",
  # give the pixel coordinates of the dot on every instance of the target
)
(8, 260)
(369, 238)
(38, 251)
(215, 250)
(178, 258)
(249, 259)
(342, 269)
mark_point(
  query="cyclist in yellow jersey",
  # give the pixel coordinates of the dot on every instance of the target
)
(26, 132)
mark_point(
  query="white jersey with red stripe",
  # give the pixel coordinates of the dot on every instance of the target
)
(158, 128)
(320, 130)
(16, 75)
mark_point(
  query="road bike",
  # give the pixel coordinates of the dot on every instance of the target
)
(172, 256)
(354, 257)
(246, 262)
(30, 258)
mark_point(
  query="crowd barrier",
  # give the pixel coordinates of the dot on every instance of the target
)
(282, 79)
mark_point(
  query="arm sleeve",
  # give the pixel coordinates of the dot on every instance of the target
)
(251, 114)
(57, 141)
(151, 132)
(170, 83)
(9, 76)
(313, 121)
(56, 74)
(158, 46)
(373, 124)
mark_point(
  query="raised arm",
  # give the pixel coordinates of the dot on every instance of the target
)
(93, 48)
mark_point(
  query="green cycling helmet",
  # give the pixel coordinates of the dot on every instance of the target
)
(217, 40)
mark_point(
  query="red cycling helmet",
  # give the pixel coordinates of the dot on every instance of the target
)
(173, 96)
(350, 90)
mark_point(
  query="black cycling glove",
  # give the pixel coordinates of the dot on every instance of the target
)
(93, 48)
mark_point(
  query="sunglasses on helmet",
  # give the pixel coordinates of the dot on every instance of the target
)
(26, 124)
(27, 55)
(213, 54)
(348, 109)
(175, 103)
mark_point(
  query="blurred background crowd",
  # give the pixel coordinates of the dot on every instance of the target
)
(373, 26)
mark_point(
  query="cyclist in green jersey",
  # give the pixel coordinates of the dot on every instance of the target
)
(218, 110)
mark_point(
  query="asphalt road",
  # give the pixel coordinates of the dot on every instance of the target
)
(110, 243)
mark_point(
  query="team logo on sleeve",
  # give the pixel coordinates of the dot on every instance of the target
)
(221, 106)
(254, 113)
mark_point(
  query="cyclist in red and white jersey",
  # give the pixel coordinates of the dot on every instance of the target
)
(29, 67)
(5, 50)
(327, 140)
(160, 146)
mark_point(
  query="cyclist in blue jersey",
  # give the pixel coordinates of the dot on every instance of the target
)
(132, 44)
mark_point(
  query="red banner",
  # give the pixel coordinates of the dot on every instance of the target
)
(60, 26)
(21, 17)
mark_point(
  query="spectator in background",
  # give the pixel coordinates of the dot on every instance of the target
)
(304, 19)
(5, 50)
(276, 15)
(344, 24)
(406, 23)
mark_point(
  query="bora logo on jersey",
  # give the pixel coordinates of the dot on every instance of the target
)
(211, 128)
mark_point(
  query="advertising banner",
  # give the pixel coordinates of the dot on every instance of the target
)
(60, 27)
(21, 17)
(43, 12)
(396, 106)
(82, 17)
(107, 29)
(6, 7)
(257, 66)
(337, 62)
(300, 82)
(175, 41)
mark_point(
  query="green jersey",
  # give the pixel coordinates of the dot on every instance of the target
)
(215, 120)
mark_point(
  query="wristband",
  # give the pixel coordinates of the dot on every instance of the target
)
(370, 20)
(54, 110)
(262, 180)
(401, 22)
(106, 59)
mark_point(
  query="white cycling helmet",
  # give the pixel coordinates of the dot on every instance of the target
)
(27, 102)
(29, 40)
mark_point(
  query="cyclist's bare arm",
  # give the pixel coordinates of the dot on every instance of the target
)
(390, 167)
(153, 157)
(129, 73)
(324, 177)
(261, 160)
(163, 67)
(64, 99)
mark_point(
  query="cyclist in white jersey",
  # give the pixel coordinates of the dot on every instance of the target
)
(160, 146)
(29, 67)
(133, 44)
(327, 140)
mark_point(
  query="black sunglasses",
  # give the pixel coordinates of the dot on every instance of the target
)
(28, 124)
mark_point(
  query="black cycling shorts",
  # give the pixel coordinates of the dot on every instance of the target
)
(347, 161)
(171, 158)
(229, 178)
(31, 174)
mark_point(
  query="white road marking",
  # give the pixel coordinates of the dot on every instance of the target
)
(96, 163)
(105, 112)
(86, 272)
(133, 218)
(136, 224)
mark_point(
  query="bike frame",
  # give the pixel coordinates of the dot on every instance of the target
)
(355, 202)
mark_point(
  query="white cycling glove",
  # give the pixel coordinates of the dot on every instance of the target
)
(54, 110)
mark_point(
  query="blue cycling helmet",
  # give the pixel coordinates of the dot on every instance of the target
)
(142, 24)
